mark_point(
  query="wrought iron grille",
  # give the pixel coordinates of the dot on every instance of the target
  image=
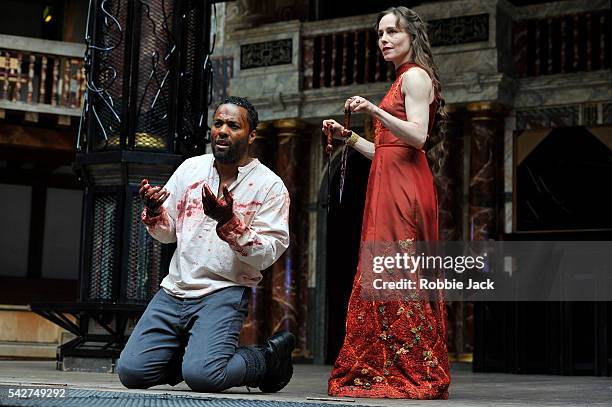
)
(144, 271)
(155, 58)
(191, 122)
(105, 81)
(104, 253)
(148, 74)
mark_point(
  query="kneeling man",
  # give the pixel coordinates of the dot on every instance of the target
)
(228, 215)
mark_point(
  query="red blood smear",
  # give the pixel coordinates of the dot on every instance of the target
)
(247, 205)
(156, 221)
(196, 184)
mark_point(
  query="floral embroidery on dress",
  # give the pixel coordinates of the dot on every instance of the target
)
(430, 362)
(408, 245)
(402, 351)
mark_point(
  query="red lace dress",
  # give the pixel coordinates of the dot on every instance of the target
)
(395, 349)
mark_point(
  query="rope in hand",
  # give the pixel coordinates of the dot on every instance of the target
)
(328, 149)
(344, 157)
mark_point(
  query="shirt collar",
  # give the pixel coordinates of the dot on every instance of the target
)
(242, 171)
(250, 166)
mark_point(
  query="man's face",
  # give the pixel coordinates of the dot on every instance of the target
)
(230, 134)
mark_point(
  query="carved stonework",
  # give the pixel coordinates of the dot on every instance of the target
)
(607, 113)
(223, 72)
(246, 13)
(561, 116)
(242, 14)
(589, 114)
(458, 30)
(267, 53)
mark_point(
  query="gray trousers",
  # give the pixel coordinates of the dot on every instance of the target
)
(193, 340)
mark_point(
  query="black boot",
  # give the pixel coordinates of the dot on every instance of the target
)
(279, 366)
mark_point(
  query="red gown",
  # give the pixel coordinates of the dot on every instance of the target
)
(395, 349)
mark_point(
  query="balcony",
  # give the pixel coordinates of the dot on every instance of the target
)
(578, 42)
(41, 76)
(485, 51)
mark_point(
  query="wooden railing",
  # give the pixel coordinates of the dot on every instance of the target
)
(41, 76)
(344, 52)
(343, 58)
(563, 44)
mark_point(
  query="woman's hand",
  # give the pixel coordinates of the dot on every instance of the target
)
(338, 131)
(359, 104)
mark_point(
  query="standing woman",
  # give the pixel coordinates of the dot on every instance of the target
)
(396, 349)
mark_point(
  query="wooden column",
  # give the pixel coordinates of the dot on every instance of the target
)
(448, 155)
(486, 125)
(289, 307)
(449, 177)
(254, 330)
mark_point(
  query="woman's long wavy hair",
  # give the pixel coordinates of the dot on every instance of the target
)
(411, 22)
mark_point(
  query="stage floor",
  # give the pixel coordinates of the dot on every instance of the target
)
(309, 384)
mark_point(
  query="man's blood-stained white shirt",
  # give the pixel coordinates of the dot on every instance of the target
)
(209, 257)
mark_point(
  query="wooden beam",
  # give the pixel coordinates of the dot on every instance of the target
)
(37, 230)
(16, 176)
(16, 155)
(47, 47)
(37, 137)
(23, 290)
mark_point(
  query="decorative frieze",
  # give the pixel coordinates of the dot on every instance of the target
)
(458, 30)
(269, 53)
(559, 116)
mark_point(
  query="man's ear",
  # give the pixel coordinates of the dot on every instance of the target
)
(252, 136)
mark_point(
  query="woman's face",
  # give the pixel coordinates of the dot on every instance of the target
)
(394, 42)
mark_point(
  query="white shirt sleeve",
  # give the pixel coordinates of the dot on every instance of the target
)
(262, 242)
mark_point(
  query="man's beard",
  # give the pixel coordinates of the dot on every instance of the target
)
(233, 154)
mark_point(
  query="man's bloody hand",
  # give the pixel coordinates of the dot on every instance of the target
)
(152, 197)
(221, 210)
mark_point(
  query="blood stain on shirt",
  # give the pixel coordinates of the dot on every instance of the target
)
(196, 184)
(155, 221)
(247, 205)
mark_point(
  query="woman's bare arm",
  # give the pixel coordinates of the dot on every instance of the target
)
(418, 94)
